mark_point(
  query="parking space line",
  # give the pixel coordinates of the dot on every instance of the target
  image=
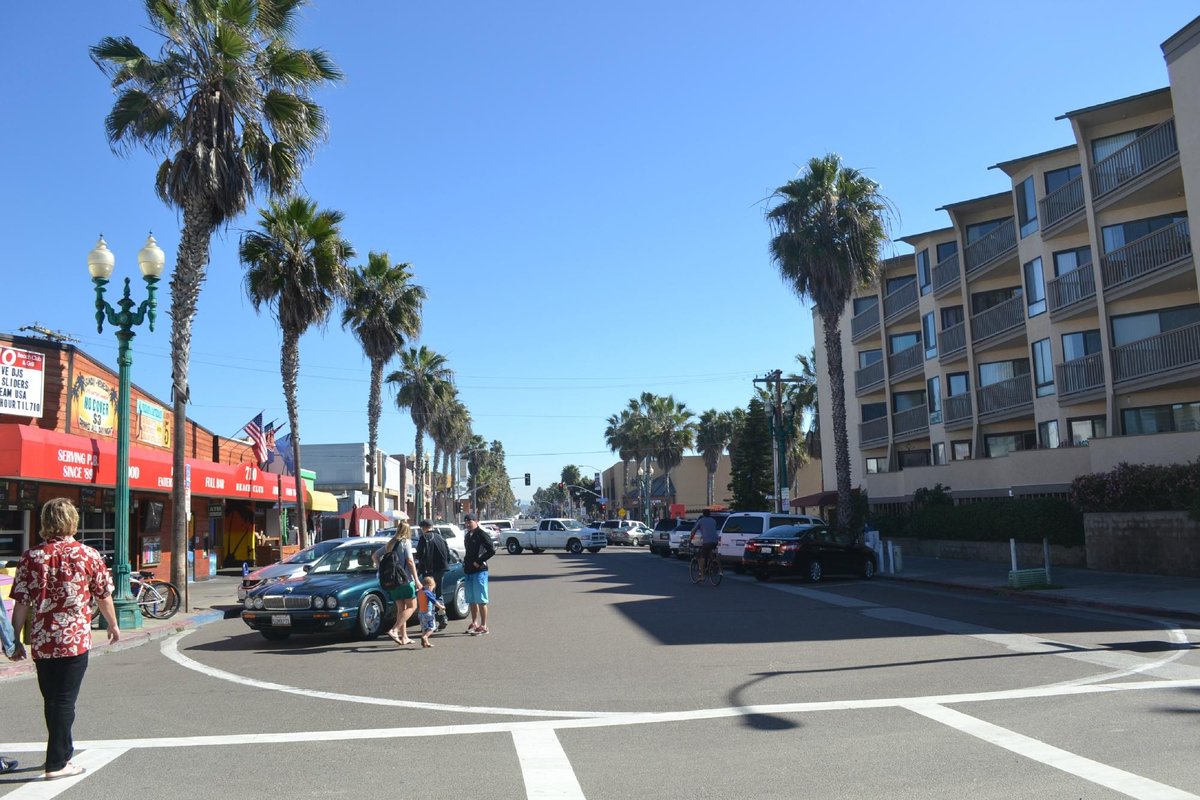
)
(545, 766)
(93, 760)
(1110, 777)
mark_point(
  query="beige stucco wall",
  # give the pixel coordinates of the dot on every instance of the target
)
(690, 479)
(1182, 52)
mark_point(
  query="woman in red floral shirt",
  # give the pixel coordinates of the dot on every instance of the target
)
(57, 580)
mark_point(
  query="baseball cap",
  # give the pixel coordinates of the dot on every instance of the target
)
(469, 518)
(426, 523)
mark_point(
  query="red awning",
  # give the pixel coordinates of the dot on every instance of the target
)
(36, 454)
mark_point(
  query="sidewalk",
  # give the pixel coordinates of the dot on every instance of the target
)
(1157, 595)
(208, 601)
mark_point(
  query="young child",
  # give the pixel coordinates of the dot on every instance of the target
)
(427, 607)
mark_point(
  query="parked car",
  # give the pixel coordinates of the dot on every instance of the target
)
(808, 551)
(492, 529)
(339, 593)
(668, 533)
(454, 536)
(626, 531)
(291, 567)
(742, 526)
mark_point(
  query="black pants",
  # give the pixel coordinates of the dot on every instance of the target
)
(59, 680)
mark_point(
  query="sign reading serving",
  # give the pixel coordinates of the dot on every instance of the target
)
(153, 424)
(94, 405)
(22, 382)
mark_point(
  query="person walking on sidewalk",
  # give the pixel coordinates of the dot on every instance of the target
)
(479, 550)
(404, 595)
(8, 643)
(54, 585)
(433, 554)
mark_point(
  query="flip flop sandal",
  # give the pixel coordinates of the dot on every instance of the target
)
(69, 771)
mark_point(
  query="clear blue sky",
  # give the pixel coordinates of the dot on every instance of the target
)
(579, 187)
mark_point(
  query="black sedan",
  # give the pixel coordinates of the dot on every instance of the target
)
(809, 551)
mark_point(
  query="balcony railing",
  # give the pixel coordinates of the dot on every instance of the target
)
(868, 376)
(900, 300)
(953, 339)
(1136, 158)
(1062, 202)
(1081, 374)
(1141, 256)
(912, 420)
(906, 359)
(957, 407)
(873, 431)
(1005, 395)
(864, 321)
(1166, 351)
(999, 242)
(998, 319)
(946, 272)
(1071, 287)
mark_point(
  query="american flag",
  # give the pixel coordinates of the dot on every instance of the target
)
(258, 439)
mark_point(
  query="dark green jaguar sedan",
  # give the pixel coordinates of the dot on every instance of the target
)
(339, 593)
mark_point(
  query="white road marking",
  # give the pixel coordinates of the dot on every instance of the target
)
(1118, 780)
(545, 767)
(38, 789)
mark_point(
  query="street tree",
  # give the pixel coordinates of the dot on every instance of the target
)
(829, 226)
(227, 104)
(751, 481)
(712, 436)
(296, 266)
(669, 431)
(422, 382)
(383, 310)
(619, 439)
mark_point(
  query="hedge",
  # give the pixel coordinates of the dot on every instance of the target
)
(1139, 487)
(1023, 519)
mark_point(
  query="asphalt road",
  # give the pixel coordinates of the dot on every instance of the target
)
(612, 676)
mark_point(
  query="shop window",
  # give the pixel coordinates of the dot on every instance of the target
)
(12, 532)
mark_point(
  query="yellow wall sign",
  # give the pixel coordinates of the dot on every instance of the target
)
(153, 424)
(93, 405)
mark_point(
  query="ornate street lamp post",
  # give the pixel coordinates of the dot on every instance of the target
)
(645, 474)
(100, 265)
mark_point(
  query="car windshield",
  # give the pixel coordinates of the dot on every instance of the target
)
(572, 524)
(311, 554)
(354, 558)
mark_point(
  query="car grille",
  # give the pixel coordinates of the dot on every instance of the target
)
(285, 602)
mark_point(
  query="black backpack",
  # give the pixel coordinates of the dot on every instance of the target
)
(393, 571)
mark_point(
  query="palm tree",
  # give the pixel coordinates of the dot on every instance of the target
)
(383, 309)
(296, 265)
(617, 437)
(227, 106)
(670, 430)
(805, 383)
(459, 434)
(422, 383)
(439, 431)
(712, 436)
(829, 226)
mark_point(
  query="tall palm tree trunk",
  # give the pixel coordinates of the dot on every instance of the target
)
(436, 494)
(449, 494)
(841, 447)
(419, 449)
(374, 412)
(185, 292)
(712, 485)
(290, 368)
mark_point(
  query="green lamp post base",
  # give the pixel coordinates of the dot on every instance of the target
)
(129, 616)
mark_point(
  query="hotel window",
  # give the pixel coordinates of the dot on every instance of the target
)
(1026, 207)
(939, 454)
(1048, 434)
(929, 334)
(1070, 260)
(1035, 287)
(958, 383)
(1058, 178)
(896, 284)
(945, 250)
(996, 371)
(1043, 368)
(1080, 345)
(872, 411)
(982, 301)
(923, 273)
(1085, 429)
(1115, 237)
(934, 386)
(1135, 327)
(876, 465)
(904, 401)
(961, 450)
(1105, 146)
(978, 230)
(861, 304)
(899, 342)
(998, 445)
(913, 458)
(1161, 419)
(951, 316)
(868, 357)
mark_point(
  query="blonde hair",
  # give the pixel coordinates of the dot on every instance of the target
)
(429, 581)
(59, 518)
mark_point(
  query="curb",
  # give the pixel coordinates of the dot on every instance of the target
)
(1014, 594)
(10, 670)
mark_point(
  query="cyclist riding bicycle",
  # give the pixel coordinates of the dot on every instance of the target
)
(706, 527)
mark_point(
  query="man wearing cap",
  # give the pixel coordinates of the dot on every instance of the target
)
(479, 550)
(433, 556)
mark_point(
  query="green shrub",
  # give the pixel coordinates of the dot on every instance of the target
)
(1139, 487)
(1023, 519)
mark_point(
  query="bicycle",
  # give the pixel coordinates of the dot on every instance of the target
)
(155, 599)
(712, 569)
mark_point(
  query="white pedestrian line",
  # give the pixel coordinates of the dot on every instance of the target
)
(1118, 780)
(545, 767)
(92, 759)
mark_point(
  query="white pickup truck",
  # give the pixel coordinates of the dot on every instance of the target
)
(555, 533)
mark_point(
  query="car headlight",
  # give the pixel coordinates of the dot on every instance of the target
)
(248, 602)
(331, 602)
(258, 603)
(318, 602)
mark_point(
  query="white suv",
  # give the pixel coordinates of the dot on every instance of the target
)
(742, 526)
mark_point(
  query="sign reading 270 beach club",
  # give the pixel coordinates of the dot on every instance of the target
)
(22, 381)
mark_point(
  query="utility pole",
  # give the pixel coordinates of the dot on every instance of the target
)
(780, 428)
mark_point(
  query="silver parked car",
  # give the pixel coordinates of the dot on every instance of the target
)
(291, 567)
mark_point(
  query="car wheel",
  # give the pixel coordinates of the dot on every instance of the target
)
(275, 636)
(457, 608)
(762, 576)
(594, 549)
(370, 617)
(575, 546)
(514, 547)
(868, 568)
(814, 571)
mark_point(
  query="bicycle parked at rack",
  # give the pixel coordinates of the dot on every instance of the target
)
(156, 599)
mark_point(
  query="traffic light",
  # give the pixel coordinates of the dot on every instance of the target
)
(527, 482)
(561, 486)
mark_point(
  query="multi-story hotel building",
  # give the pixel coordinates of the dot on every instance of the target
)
(1050, 330)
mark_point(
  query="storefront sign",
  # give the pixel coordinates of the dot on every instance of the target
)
(153, 424)
(216, 509)
(22, 382)
(94, 405)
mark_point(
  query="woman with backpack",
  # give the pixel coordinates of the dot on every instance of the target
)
(405, 593)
